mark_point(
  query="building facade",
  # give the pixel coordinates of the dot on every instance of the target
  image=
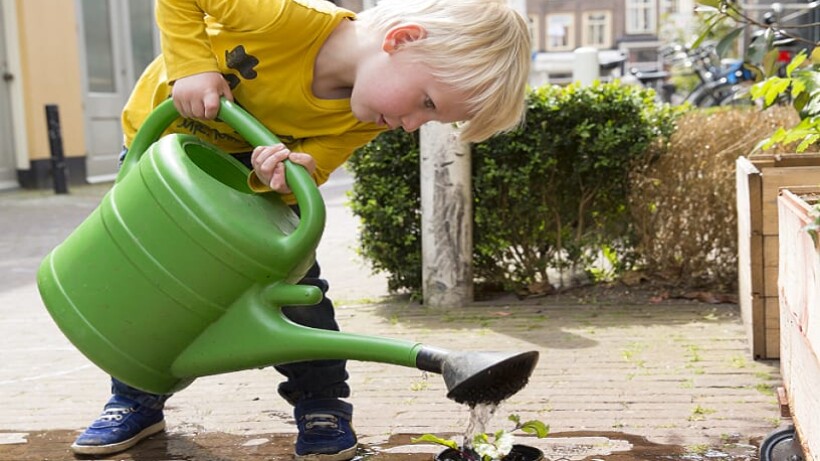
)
(620, 29)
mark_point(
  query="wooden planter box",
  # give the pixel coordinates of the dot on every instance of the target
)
(758, 180)
(799, 284)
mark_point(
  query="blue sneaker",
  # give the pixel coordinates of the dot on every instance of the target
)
(325, 433)
(122, 424)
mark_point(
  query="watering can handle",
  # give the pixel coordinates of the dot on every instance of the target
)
(312, 208)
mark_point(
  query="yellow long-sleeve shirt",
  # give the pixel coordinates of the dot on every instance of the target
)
(266, 49)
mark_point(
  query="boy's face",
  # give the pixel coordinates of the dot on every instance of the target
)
(393, 90)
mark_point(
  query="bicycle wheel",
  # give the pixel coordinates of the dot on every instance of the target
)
(737, 95)
(710, 95)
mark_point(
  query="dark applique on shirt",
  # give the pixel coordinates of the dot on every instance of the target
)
(242, 62)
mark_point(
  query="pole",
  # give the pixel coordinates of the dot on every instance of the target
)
(446, 217)
(55, 142)
(585, 66)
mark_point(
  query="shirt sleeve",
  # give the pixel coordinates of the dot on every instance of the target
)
(184, 24)
(185, 45)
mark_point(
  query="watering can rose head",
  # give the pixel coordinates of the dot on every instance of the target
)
(486, 447)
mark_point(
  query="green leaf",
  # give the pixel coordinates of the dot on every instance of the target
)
(799, 100)
(775, 86)
(770, 62)
(536, 427)
(434, 439)
(815, 56)
(707, 32)
(480, 438)
(812, 107)
(710, 3)
(727, 41)
(796, 62)
(808, 141)
(755, 53)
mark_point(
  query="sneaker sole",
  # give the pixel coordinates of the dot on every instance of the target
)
(117, 447)
(344, 455)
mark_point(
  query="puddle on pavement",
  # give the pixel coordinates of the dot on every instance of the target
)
(215, 446)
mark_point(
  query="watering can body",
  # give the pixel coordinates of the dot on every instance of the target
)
(182, 272)
(170, 248)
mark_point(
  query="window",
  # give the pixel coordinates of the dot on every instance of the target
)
(141, 15)
(99, 48)
(597, 27)
(641, 16)
(643, 55)
(560, 32)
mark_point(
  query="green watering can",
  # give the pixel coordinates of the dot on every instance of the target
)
(182, 271)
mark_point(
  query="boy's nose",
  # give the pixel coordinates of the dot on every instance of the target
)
(412, 123)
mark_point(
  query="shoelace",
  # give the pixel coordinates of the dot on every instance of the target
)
(115, 413)
(321, 420)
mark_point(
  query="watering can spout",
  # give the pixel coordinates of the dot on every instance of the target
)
(253, 333)
(479, 377)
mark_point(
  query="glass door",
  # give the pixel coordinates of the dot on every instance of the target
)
(119, 40)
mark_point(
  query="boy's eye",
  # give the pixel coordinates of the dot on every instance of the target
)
(429, 104)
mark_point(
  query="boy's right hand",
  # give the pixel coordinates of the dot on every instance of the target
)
(268, 165)
(197, 96)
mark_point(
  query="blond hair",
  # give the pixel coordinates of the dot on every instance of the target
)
(480, 47)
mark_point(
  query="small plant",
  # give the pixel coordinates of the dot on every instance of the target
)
(486, 447)
(699, 413)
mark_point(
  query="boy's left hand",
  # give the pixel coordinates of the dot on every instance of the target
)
(268, 165)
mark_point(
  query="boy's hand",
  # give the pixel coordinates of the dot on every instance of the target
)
(197, 96)
(268, 166)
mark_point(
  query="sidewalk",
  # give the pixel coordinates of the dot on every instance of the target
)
(615, 381)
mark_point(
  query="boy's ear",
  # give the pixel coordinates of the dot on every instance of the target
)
(402, 34)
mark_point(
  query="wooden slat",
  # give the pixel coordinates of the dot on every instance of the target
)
(771, 249)
(770, 282)
(771, 306)
(756, 327)
(771, 322)
(762, 161)
(772, 343)
(750, 255)
(770, 252)
(750, 179)
(795, 160)
(773, 180)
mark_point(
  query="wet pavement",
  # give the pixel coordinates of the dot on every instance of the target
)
(620, 378)
(612, 446)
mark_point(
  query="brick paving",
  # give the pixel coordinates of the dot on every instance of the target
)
(612, 375)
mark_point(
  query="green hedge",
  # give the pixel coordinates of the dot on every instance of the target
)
(386, 196)
(549, 195)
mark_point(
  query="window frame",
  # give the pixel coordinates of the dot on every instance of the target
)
(570, 32)
(606, 34)
(641, 17)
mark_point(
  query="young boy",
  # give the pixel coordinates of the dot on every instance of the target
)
(326, 82)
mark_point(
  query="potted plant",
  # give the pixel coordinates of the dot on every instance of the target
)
(492, 447)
